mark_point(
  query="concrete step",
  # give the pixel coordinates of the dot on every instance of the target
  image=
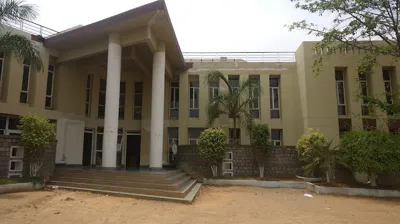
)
(110, 173)
(135, 183)
(179, 193)
(117, 177)
(189, 197)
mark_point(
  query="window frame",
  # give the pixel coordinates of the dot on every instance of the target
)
(28, 84)
(252, 92)
(2, 59)
(102, 105)
(337, 82)
(122, 107)
(174, 104)
(137, 108)
(53, 72)
(272, 106)
(88, 99)
(192, 90)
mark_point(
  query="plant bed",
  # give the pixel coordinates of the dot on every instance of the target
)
(351, 190)
(20, 184)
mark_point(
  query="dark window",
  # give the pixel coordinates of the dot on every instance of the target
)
(254, 106)
(344, 126)
(121, 114)
(276, 136)
(1, 70)
(174, 101)
(194, 99)
(137, 104)
(49, 87)
(233, 81)
(340, 91)
(231, 135)
(364, 93)
(23, 98)
(194, 134)
(369, 124)
(88, 94)
(102, 99)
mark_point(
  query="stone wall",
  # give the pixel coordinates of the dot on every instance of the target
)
(6, 141)
(282, 162)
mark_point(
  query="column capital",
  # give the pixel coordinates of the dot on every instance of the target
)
(114, 38)
(161, 46)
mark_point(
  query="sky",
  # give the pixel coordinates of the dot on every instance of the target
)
(200, 25)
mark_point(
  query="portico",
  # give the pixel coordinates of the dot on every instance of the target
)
(119, 53)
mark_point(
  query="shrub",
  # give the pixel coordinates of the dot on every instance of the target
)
(212, 147)
(260, 140)
(373, 152)
(305, 144)
(37, 135)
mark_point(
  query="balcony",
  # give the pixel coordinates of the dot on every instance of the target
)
(32, 28)
(240, 56)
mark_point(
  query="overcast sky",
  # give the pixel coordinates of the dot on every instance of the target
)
(200, 25)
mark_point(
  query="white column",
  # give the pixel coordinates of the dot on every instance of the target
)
(157, 107)
(112, 102)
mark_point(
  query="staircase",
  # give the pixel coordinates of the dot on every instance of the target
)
(171, 185)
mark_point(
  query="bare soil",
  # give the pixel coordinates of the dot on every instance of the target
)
(213, 205)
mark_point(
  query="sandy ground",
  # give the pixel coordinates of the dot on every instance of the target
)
(213, 205)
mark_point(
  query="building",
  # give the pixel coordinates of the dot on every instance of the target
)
(121, 91)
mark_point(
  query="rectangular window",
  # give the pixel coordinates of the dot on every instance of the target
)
(233, 81)
(344, 126)
(274, 83)
(50, 86)
(88, 94)
(340, 92)
(276, 136)
(369, 124)
(387, 81)
(102, 99)
(194, 98)
(24, 94)
(99, 145)
(121, 111)
(231, 135)
(172, 137)
(254, 106)
(9, 125)
(1, 69)
(213, 90)
(364, 93)
(137, 101)
(194, 134)
(174, 101)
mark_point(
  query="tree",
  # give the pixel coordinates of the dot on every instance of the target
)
(261, 144)
(305, 146)
(233, 102)
(371, 26)
(14, 11)
(322, 157)
(38, 134)
(212, 147)
(372, 152)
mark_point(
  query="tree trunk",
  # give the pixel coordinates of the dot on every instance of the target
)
(328, 177)
(214, 169)
(34, 168)
(373, 177)
(261, 168)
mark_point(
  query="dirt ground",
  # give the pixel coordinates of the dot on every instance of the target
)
(213, 205)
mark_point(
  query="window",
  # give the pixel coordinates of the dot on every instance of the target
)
(23, 96)
(231, 135)
(233, 81)
(99, 145)
(254, 106)
(88, 94)
(102, 99)
(369, 124)
(340, 92)
(9, 125)
(387, 81)
(274, 96)
(1, 69)
(194, 98)
(364, 93)
(194, 134)
(174, 105)
(172, 136)
(137, 104)
(121, 111)
(344, 126)
(276, 136)
(50, 85)
(213, 90)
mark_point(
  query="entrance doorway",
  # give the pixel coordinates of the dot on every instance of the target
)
(133, 150)
(87, 147)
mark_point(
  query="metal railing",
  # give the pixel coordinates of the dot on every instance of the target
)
(241, 56)
(32, 28)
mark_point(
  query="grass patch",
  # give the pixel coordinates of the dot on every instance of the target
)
(4, 181)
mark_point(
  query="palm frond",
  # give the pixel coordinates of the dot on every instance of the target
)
(215, 75)
(14, 10)
(22, 49)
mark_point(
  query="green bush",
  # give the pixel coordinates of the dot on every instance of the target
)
(212, 147)
(37, 135)
(305, 144)
(373, 152)
(260, 140)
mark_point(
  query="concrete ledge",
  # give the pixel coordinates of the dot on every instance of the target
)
(257, 183)
(9, 188)
(352, 191)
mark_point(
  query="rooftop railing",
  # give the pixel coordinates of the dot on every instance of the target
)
(241, 56)
(32, 28)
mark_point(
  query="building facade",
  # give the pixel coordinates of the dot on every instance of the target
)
(121, 91)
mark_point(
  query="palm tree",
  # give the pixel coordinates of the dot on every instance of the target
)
(14, 11)
(233, 102)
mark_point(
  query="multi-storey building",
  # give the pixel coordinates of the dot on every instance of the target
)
(121, 91)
